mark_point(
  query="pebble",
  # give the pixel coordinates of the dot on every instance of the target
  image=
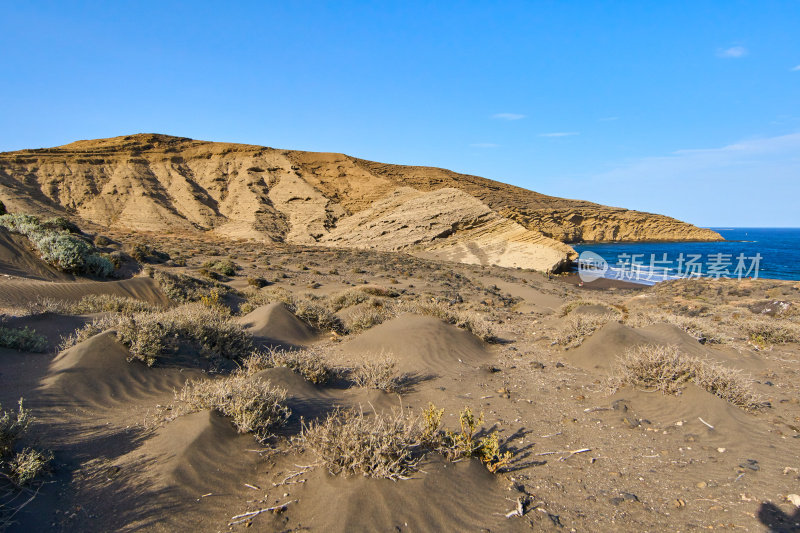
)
(537, 364)
(751, 464)
(794, 499)
(678, 503)
(721, 450)
(702, 485)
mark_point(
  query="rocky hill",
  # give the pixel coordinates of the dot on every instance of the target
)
(151, 182)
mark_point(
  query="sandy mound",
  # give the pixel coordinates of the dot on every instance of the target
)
(592, 309)
(17, 259)
(733, 428)
(603, 347)
(276, 325)
(17, 292)
(420, 344)
(460, 496)
(196, 453)
(97, 372)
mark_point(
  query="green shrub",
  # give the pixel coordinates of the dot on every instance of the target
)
(226, 267)
(22, 339)
(58, 247)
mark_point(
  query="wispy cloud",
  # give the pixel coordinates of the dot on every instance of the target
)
(751, 182)
(559, 134)
(795, 68)
(734, 52)
(508, 116)
(484, 145)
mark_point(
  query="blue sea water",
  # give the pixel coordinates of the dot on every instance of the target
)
(772, 253)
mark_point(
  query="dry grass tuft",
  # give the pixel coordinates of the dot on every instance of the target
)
(24, 466)
(576, 328)
(372, 314)
(666, 369)
(254, 405)
(568, 307)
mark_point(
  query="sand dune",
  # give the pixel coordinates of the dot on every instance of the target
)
(16, 292)
(274, 325)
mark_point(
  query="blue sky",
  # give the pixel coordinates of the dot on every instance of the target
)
(690, 109)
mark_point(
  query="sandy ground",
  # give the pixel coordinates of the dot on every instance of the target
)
(586, 456)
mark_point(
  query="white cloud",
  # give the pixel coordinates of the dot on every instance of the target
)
(508, 116)
(795, 68)
(559, 134)
(484, 145)
(733, 52)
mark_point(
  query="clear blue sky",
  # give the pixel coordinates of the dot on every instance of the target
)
(690, 109)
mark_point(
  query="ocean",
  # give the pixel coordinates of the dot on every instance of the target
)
(772, 253)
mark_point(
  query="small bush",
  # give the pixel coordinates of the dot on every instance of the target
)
(257, 282)
(380, 374)
(367, 317)
(20, 467)
(316, 315)
(101, 240)
(181, 288)
(309, 363)
(28, 464)
(22, 339)
(577, 327)
(254, 405)
(12, 426)
(226, 267)
(666, 369)
(95, 327)
(357, 295)
(144, 253)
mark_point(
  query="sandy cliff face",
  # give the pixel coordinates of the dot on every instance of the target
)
(162, 183)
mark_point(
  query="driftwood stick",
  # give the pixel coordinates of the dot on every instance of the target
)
(244, 517)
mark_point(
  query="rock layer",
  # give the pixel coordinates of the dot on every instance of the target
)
(161, 183)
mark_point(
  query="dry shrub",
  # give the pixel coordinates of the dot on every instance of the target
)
(181, 288)
(380, 374)
(24, 466)
(369, 316)
(380, 446)
(357, 295)
(391, 445)
(569, 307)
(91, 303)
(309, 363)
(576, 328)
(316, 314)
(22, 339)
(254, 405)
(27, 465)
(150, 335)
(702, 329)
(666, 369)
(95, 327)
(763, 332)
